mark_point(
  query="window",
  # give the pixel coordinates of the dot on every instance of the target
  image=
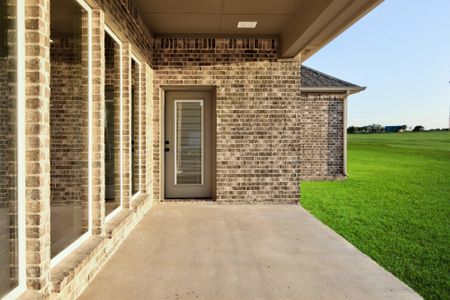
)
(135, 120)
(70, 125)
(113, 124)
(12, 149)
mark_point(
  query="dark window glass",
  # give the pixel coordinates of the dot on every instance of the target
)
(8, 153)
(68, 123)
(112, 124)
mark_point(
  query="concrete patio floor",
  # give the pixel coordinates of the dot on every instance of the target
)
(207, 251)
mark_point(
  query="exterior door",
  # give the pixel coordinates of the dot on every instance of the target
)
(188, 138)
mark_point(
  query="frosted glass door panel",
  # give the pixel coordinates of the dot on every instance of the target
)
(189, 142)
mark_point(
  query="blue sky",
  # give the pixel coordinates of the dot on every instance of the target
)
(401, 52)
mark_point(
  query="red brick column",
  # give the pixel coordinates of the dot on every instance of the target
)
(147, 124)
(126, 138)
(143, 127)
(84, 156)
(98, 122)
(156, 136)
(37, 94)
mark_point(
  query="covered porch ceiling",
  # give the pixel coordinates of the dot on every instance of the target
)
(303, 26)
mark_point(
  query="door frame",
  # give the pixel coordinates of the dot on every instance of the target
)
(162, 112)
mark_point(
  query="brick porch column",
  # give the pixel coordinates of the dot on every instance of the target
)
(37, 98)
(98, 122)
(157, 105)
(126, 130)
(147, 124)
(142, 136)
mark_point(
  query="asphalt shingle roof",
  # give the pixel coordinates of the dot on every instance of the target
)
(314, 79)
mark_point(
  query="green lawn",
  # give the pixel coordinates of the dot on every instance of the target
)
(394, 206)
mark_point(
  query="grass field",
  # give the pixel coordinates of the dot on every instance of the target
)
(394, 206)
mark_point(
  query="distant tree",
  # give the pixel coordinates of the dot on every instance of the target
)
(375, 128)
(403, 127)
(351, 129)
(418, 128)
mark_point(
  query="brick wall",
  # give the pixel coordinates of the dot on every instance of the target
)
(123, 16)
(185, 52)
(257, 109)
(322, 151)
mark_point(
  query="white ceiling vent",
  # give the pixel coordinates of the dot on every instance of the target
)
(247, 24)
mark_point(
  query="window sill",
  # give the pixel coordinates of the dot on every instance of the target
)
(138, 202)
(84, 262)
(63, 273)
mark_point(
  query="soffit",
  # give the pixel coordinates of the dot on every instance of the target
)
(218, 17)
(302, 26)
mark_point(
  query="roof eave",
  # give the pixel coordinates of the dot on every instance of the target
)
(348, 90)
(337, 17)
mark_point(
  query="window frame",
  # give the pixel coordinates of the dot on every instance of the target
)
(77, 243)
(139, 147)
(111, 33)
(21, 154)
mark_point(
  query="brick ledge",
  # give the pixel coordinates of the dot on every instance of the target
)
(138, 202)
(72, 265)
(80, 266)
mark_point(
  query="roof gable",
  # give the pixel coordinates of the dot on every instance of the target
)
(313, 80)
